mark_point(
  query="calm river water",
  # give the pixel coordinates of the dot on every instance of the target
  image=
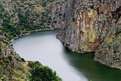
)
(44, 47)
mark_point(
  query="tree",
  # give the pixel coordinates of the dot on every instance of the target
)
(43, 73)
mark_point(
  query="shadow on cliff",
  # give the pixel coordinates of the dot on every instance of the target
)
(117, 14)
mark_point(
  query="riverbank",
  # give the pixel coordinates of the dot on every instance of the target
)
(20, 18)
(29, 32)
(11, 62)
(84, 29)
(46, 48)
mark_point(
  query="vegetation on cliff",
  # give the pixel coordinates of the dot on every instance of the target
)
(86, 26)
(18, 17)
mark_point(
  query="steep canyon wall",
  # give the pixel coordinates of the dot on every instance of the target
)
(93, 26)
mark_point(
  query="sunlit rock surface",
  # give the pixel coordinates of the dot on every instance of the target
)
(87, 22)
(93, 25)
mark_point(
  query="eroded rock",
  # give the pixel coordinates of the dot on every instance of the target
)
(109, 52)
(87, 22)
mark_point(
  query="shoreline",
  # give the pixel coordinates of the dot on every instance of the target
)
(46, 29)
(29, 32)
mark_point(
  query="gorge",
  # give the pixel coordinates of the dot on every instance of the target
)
(85, 26)
(68, 65)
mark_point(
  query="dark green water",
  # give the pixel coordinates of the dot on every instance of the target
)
(44, 47)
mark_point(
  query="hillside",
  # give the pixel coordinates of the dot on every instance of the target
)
(19, 17)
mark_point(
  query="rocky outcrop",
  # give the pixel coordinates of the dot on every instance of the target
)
(87, 22)
(109, 52)
(93, 26)
(57, 13)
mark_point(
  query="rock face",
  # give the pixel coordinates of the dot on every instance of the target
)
(109, 52)
(87, 23)
(87, 26)
(93, 26)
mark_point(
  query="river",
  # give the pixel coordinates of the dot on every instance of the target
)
(44, 47)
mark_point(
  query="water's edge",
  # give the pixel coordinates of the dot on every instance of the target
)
(63, 61)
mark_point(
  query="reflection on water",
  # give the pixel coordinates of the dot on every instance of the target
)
(44, 47)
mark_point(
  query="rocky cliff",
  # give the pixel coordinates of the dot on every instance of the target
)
(87, 26)
(109, 52)
(87, 22)
(93, 25)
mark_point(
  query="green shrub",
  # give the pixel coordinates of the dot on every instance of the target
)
(42, 73)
